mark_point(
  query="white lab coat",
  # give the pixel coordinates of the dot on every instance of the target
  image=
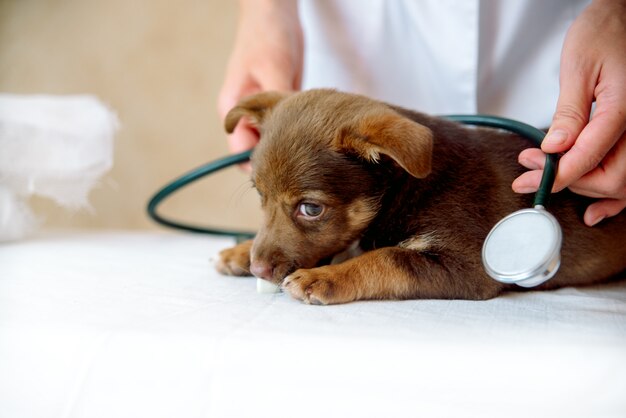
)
(441, 56)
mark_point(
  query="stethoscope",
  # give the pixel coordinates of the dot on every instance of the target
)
(524, 248)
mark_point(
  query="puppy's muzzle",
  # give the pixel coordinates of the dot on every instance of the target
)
(271, 270)
(262, 269)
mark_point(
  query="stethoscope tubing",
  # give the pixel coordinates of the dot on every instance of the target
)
(190, 177)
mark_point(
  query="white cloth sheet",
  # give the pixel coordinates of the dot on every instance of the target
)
(56, 147)
(138, 324)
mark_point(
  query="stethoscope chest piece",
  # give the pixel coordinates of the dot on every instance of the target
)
(524, 248)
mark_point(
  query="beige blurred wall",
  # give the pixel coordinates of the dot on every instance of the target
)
(159, 65)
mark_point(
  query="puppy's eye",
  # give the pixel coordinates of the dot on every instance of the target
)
(310, 210)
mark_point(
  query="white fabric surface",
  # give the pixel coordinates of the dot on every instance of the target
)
(115, 324)
(52, 146)
(441, 56)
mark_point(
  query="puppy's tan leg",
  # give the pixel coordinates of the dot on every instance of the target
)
(391, 273)
(235, 261)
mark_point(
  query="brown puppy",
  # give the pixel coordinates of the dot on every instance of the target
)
(416, 194)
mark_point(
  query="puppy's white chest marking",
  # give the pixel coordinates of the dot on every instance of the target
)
(352, 251)
(422, 242)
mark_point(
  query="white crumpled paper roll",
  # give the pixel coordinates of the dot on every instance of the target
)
(52, 146)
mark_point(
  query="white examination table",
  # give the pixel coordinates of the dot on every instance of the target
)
(138, 324)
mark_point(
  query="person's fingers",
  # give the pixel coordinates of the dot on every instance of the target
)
(574, 104)
(532, 158)
(528, 182)
(244, 137)
(236, 86)
(606, 180)
(592, 146)
(609, 178)
(602, 209)
(239, 85)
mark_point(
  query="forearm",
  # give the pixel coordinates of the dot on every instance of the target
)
(267, 55)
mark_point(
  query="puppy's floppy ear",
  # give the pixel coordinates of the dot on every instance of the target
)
(254, 107)
(406, 142)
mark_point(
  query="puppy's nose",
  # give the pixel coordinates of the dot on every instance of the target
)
(261, 269)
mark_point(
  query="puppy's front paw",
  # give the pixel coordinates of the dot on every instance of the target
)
(235, 261)
(319, 286)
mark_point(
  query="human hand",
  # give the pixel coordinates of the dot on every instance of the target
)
(267, 55)
(593, 67)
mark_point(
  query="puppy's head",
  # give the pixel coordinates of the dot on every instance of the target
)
(321, 168)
